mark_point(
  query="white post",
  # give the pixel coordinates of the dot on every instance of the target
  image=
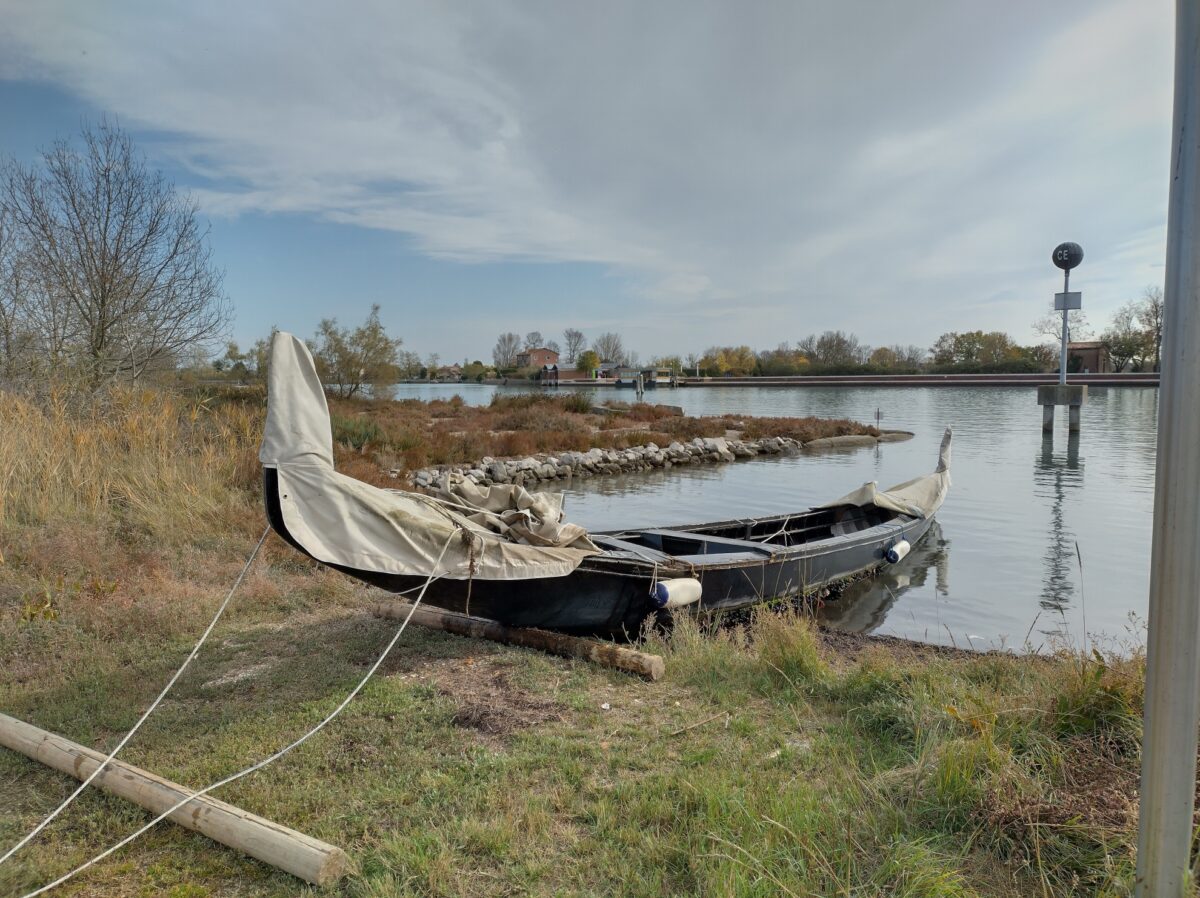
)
(1168, 783)
(1062, 363)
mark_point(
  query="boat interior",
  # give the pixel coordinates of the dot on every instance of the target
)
(745, 540)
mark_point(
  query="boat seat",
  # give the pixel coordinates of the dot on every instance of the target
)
(723, 544)
(720, 558)
(621, 545)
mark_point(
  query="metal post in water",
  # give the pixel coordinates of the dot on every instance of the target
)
(1168, 785)
(1062, 358)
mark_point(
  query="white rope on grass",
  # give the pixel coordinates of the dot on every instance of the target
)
(267, 760)
(137, 726)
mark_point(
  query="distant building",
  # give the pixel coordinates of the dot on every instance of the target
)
(608, 369)
(447, 373)
(537, 358)
(1089, 357)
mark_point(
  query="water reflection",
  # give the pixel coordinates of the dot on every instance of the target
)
(863, 606)
(1055, 475)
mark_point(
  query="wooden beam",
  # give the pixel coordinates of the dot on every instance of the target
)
(303, 856)
(607, 654)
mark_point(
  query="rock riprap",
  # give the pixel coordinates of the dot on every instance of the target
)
(594, 462)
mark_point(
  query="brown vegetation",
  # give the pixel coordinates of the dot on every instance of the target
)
(412, 434)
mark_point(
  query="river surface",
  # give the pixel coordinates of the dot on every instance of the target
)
(1038, 539)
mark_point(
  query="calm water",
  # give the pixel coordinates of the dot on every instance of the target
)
(1001, 561)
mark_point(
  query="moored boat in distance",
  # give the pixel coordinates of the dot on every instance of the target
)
(502, 553)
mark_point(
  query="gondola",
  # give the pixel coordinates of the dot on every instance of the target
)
(503, 553)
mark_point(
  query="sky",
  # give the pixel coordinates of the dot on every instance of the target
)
(685, 173)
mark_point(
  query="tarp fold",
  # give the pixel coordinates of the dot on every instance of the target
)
(500, 532)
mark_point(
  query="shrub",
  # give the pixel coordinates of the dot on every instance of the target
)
(356, 432)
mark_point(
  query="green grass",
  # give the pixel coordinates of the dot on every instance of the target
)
(813, 773)
(772, 759)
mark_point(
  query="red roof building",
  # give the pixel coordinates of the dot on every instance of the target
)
(536, 358)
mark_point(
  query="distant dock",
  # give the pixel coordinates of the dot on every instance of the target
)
(1141, 379)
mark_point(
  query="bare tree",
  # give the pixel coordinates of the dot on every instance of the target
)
(120, 265)
(504, 353)
(1050, 325)
(611, 348)
(347, 360)
(15, 336)
(833, 348)
(575, 342)
(533, 340)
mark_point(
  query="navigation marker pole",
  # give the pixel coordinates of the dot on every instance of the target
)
(1168, 786)
(1065, 256)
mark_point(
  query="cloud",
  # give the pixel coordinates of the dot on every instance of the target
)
(895, 169)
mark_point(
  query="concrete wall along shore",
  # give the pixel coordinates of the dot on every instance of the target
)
(563, 465)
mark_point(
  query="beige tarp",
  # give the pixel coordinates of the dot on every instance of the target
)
(921, 497)
(495, 533)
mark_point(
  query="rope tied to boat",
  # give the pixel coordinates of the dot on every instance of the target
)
(153, 705)
(270, 758)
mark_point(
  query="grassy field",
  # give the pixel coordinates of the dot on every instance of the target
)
(772, 760)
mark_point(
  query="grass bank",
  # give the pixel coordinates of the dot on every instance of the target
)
(772, 760)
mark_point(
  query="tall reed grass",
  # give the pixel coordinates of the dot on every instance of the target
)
(148, 459)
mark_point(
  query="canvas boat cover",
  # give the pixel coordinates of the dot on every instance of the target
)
(500, 532)
(920, 497)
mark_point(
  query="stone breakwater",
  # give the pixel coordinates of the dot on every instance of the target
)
(594, 462)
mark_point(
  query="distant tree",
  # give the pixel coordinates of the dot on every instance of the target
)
(974, 348)
(504, 353)
(408, 365)
(575, 342)
(674, 362)
(1127, 342)
(909, 356)
(1150, 314)
(348, 360)
(120, 273)
(533, 340)
(884, 357)
(693, 361)
(611, 348)
(431, 362)
(476, 371)
(713, 363)
(782, 361)
(1050, 325)
(741, 360)
(833, 349)
(587, 361)
(552, 346)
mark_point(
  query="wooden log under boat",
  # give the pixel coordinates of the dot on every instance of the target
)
(619, 657)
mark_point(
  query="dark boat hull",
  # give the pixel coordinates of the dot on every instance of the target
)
(609, 594)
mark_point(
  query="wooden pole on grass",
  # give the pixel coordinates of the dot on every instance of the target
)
(604, 653)
(293, 852)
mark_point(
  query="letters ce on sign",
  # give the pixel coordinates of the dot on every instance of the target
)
(1066, 301)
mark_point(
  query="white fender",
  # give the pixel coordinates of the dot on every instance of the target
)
(676, 593)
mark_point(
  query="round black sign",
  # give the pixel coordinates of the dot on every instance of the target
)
(1067, 255)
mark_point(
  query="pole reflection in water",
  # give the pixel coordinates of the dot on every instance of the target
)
(864, 604)
(1054, 476)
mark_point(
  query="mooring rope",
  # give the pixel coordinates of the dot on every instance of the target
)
(270, 758)
(137, 726)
